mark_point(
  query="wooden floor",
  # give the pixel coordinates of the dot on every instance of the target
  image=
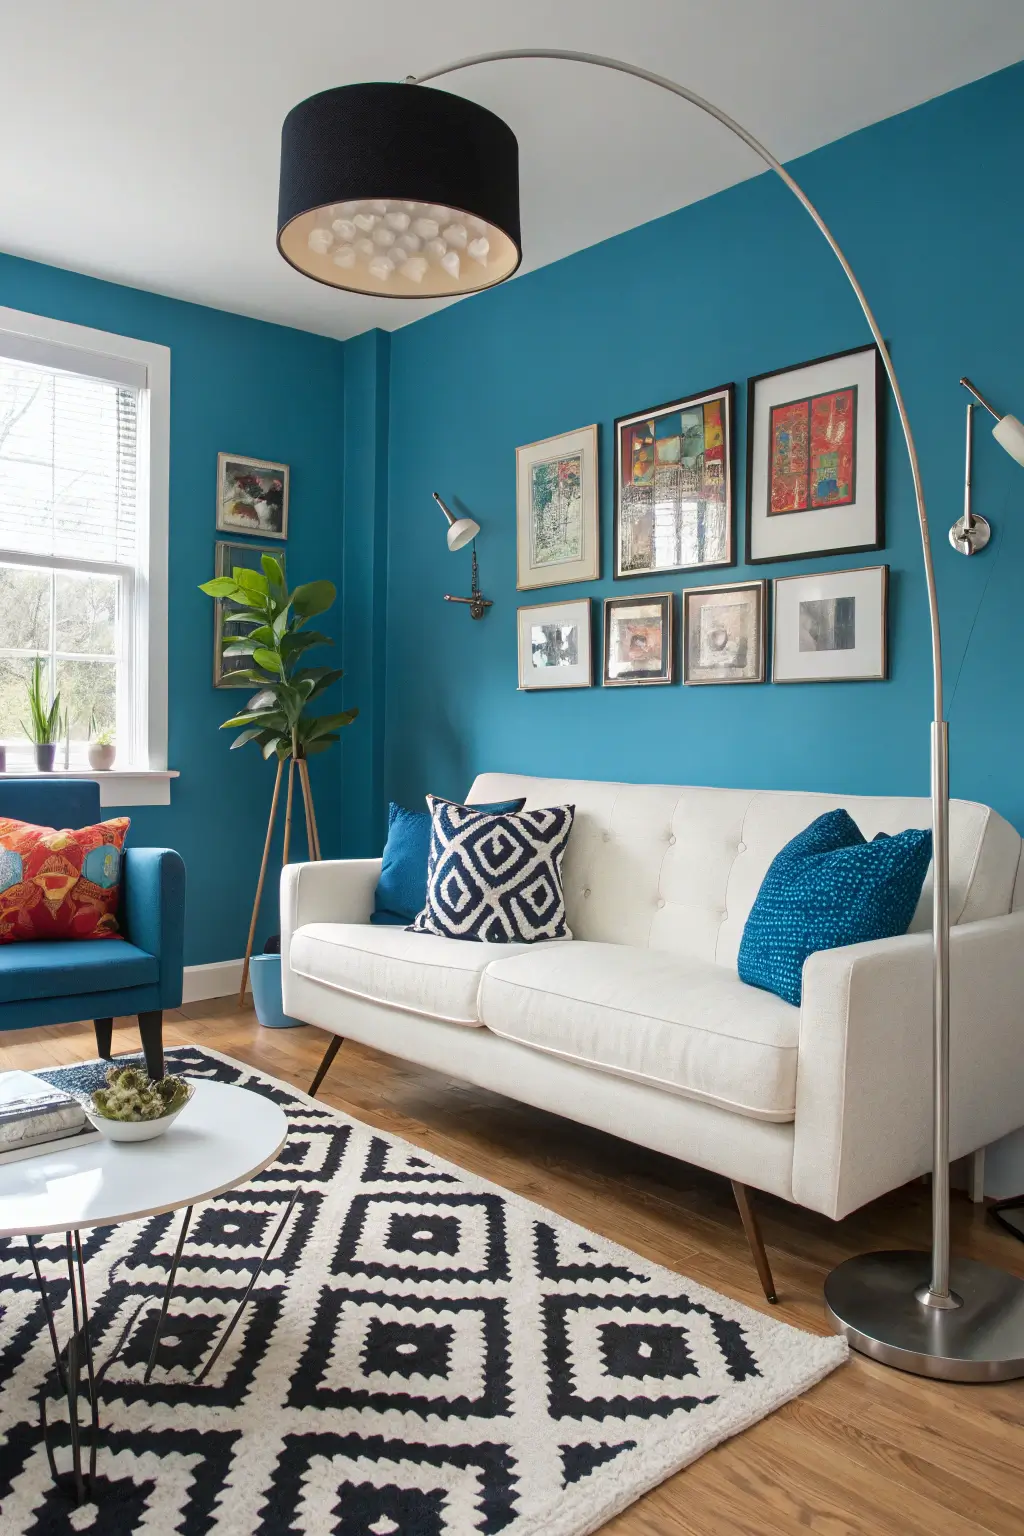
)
(869, 1451)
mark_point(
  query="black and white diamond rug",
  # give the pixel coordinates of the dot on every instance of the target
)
(425, 1355)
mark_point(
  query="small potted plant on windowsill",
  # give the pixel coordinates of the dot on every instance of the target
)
(102, 749)
(45, 722)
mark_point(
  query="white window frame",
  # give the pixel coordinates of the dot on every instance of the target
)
(146, 365)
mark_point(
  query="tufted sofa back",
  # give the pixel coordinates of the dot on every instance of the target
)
(665, 866)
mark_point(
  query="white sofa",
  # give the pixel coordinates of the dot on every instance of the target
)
(641, 1025)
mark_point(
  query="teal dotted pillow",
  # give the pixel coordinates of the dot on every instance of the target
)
(828, 887)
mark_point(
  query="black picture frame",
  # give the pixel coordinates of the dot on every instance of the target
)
(640, 678)
(726, 392)
(878, 542)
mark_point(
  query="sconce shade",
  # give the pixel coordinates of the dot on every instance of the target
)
(462, 532)
(399, 190)
(1009, 434)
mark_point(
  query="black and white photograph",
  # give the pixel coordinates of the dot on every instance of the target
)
(555, 645)
(724, 633)
(831, 627)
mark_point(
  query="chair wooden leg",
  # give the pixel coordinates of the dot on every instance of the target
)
(321, 1072)
(151, 1026)
(104, 1037)
(754, 1238)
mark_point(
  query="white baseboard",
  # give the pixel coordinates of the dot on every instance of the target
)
(220, 978)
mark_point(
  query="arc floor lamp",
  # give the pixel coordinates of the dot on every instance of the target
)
(404, 191)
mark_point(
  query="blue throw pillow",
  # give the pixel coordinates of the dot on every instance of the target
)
(402, 888)
(830, 887)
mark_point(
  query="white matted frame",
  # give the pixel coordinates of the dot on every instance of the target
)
(831, 627)
(854, 521)
(146, 367)
(555, 649)
(724, 633)
(558, 525)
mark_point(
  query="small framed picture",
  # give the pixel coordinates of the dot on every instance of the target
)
(557, 518)
(724, 633)
(227, 557)
(554, 645)
(252, 496)
(831, 627)
(814, 450)
(673, 486)
(638, 639)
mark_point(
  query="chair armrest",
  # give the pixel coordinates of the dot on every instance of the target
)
(153, 913)
(329, 891)
(864, 1071)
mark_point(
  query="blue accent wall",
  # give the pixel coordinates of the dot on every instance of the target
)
(927, 207)
(238, 386)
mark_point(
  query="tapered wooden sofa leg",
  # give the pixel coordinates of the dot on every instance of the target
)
(321, 1072)
(151, 1029)
(104, 1037)
(754, 1238)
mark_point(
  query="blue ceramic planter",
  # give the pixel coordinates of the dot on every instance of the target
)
(265, 976)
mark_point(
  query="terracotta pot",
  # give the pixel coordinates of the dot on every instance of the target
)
(101, 758)
(46, 751)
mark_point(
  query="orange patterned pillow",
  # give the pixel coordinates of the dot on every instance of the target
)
(60, 884)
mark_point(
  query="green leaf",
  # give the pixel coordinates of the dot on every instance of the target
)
(263, 718)
(220, 586)
(252, 581)
(321, 678)
(272, 571)
(314, 597)
(264, 635)
(294, 644)
(270, 747)
(320, 745)
(254, 733)
(311, 729)
(265, 699)
(269, 660)
(237, 647)
(244, 615)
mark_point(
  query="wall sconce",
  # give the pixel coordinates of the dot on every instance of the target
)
(460, 531)
(972, 532)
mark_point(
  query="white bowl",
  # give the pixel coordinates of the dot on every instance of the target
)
(134, 1130)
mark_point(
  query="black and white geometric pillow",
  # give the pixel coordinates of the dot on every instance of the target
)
(495, 877)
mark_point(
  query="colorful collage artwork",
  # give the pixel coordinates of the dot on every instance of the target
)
(674, 493)
(812, 451)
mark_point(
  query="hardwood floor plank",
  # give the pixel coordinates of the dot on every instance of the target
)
(868, 1452)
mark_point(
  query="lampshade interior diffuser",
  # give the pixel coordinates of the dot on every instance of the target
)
(399, 190)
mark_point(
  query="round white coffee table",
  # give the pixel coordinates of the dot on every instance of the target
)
(224, 1136)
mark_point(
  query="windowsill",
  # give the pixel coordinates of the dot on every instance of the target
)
(118, 786)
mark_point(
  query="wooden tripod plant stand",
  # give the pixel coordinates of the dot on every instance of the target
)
(312, 843)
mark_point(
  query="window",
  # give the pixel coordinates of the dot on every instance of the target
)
(83, 485)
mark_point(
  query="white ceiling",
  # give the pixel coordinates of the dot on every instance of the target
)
(139, 139)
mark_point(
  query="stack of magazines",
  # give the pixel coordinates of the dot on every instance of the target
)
(36, 1118)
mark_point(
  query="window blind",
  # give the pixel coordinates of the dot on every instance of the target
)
(68, 463)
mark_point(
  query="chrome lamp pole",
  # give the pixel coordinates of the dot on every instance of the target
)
(949, 1319)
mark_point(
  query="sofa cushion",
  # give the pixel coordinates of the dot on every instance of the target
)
(416, 972)
(402, 888)
(688, 1026)
(67, 968)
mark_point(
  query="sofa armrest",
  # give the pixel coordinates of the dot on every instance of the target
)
(864, 1071)
(330, 891)
(153, 913)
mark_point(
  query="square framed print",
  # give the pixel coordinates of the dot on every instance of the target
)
(252, 496)
(638, 640)
(557, 516)
(831, 627)
(674, 486)
(227, 557)
(724, 633)
(814, 455)
(555, 646)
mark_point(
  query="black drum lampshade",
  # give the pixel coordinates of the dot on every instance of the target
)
(399, 190)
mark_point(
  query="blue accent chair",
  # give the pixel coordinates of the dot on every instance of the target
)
(63, 980)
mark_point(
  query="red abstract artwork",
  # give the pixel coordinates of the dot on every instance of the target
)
(812, 452)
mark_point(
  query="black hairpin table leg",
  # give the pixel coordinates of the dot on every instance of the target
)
(70, 1364)
(168, 1288)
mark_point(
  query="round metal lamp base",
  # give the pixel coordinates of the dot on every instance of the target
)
(872, 1300)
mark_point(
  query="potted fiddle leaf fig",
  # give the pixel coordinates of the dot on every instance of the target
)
(278, 717)
(45, 720)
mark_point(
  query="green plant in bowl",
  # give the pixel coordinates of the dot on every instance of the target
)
(132, 1096)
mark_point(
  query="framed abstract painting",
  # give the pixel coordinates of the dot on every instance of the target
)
(554, 645)
(557, 520)
(814, 454)
(831, 627)
(724, 633)
(674, 486)
(638, 640)
(252, 496)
